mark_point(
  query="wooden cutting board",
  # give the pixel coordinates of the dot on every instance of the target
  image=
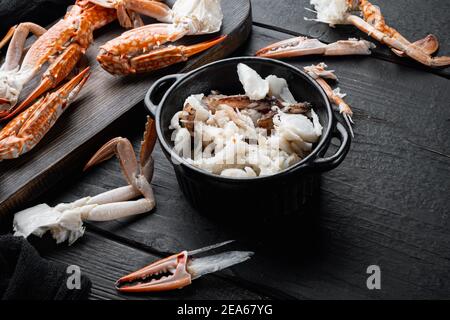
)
(100, 110)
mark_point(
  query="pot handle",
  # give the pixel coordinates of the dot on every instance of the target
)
(342, 133)
(155, 91)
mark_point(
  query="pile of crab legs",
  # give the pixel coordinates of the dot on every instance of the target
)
(372, 23)
(65, 221)
(139, 50)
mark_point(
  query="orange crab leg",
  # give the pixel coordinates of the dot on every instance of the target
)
(408, 49)
(8, 36)
(128, 11)
(26, 130)
(167, 56)
(56, 73)
(375, 25)
(141, 50)
(372, 14)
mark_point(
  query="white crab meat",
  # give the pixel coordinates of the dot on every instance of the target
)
(279, 88)
(239, 173)
(39, 219)
(233, 145)
(182, 142)
(198, 16)
(331, 11)
(297, 125)
(195, 101)
(255, 87)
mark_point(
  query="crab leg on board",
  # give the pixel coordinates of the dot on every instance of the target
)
(303, 46)
(178, 270)
(65, 221)
(62, 46)
(24, 132)
(144, 49)
(319, 73)
(372, 23)
(117, 58)
(128, 11)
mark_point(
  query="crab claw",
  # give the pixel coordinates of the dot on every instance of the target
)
(178, 270)
(166, 274)
(169, 55)
(137, 174)
(303, 46)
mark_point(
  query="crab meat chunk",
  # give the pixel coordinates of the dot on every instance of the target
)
(255, 87)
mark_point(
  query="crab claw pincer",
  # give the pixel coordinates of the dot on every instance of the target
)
(178, 270)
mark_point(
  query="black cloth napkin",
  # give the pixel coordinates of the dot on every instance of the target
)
(25, 275)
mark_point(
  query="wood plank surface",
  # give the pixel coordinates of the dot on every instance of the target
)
(104, 261)
(384, 205)
(103, 100)
(414, 19)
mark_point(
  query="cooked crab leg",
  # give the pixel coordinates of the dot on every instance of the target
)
(52, 77)
(340, 12)
(11, 78)
(302, 46)
(142, 50)
(178, 270)
(136, 174)
(372, 14)
(16, 47)
(319, 73)
(7, 36)
(65, 221)
(128, 11)
(169, 55)
(115, 204)
(61, 45)
(411, 50)
(25, 131)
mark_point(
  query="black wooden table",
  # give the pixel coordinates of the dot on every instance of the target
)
(388, 204)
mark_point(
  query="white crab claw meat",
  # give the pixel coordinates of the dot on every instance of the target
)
(198, 16)
(39, 219)
(255, 87)
(198, 267)
(65, 221)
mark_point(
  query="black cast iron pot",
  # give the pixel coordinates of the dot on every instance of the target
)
(286, 192)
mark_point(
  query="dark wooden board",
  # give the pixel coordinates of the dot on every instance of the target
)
(104, 99)
(386, 204)
(412, 18)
